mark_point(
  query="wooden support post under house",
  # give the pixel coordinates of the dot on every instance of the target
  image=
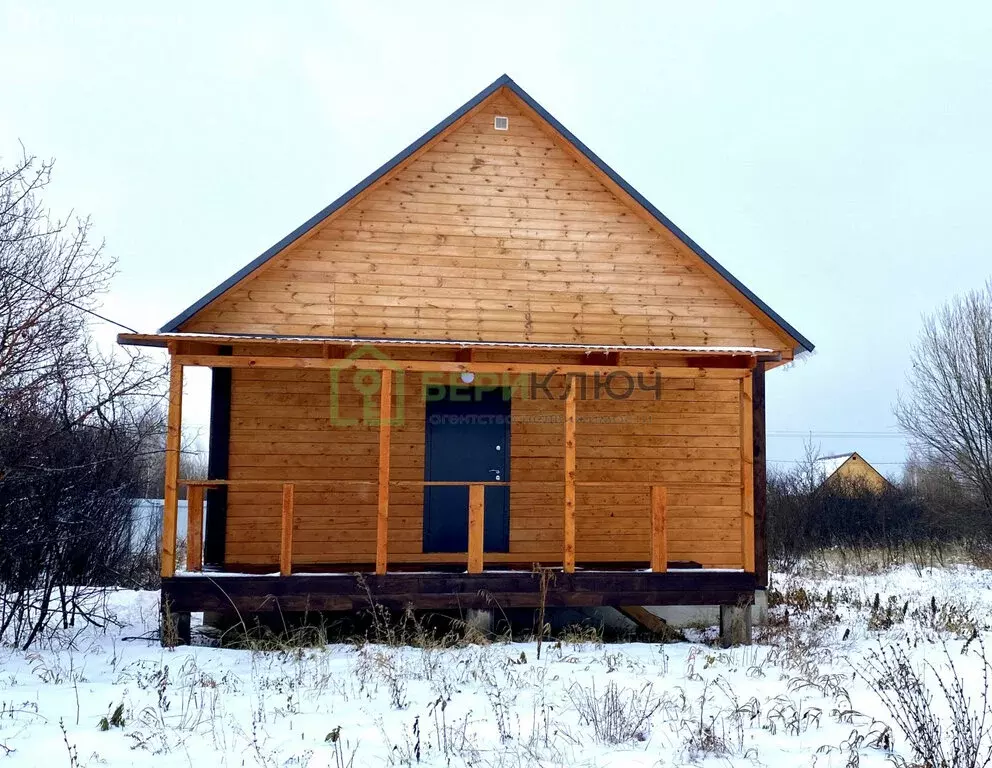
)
(647, 620)
(173, 438)
(568, 559)
(286, 539)
(476, 527)
(659, 529)
(194, 528)
(382, 517)
(747, 475)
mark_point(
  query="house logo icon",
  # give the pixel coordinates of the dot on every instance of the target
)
(360, 374)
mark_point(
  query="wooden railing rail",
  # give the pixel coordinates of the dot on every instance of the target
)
(475, 554)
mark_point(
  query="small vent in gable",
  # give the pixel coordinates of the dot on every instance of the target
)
(501, 123)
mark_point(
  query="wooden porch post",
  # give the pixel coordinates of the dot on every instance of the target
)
(659, 530)
(476, 526)
(194, 528)
(382, 519)
(286, 539)
(747, 475)
(173, 437)
(760, 478)
(568, 560)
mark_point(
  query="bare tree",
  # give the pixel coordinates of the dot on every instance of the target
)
(75, 423)
(948, 409)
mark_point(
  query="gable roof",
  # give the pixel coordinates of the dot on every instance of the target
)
(828, 466)
(502, 82)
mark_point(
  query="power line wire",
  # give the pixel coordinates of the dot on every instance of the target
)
(803, 461)
(839, 431)
(66, 301)
(853, 434)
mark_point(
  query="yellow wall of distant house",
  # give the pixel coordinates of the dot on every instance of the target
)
(857, 470)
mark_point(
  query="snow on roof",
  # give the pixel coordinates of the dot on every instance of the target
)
(827, 465)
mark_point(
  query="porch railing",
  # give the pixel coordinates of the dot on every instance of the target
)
(383, 483)
(475, 555)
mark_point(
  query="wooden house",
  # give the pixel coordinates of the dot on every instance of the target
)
(491, 354)
(851, 472)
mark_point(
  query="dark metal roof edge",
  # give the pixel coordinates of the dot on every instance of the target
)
(507, 81)
(182, 317)
(662, 218)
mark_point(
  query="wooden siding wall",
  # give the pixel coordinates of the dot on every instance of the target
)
(689, 440)
(490, 236)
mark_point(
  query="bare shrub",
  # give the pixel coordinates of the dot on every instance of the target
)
(705, 736)
(915, 521)
(74, 422)
(957, 739)
(617, 716)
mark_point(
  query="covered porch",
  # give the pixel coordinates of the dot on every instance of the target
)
(341, 579)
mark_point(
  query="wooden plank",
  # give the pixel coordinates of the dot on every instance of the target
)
(173, 439)
(440, 366)
(476, 526)
(286, 538)
(449, 483)
(644, 618)
(631, 486)
(351, 561)
(382, 517)
(194, 528)
(747, 474)
(345, 481)
(659, 528)
(415, 297)
(412, 327)
(760, 476)
(568, 524)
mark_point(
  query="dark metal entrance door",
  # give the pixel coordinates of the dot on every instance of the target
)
(467, 439)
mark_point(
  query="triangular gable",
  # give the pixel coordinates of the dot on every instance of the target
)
(610, 178)
(840, 465)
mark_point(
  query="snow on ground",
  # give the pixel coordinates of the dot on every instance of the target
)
(792, 699)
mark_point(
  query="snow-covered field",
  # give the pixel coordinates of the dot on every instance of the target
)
(793, 699)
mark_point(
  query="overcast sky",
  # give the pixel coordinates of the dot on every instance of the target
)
(835, 157)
